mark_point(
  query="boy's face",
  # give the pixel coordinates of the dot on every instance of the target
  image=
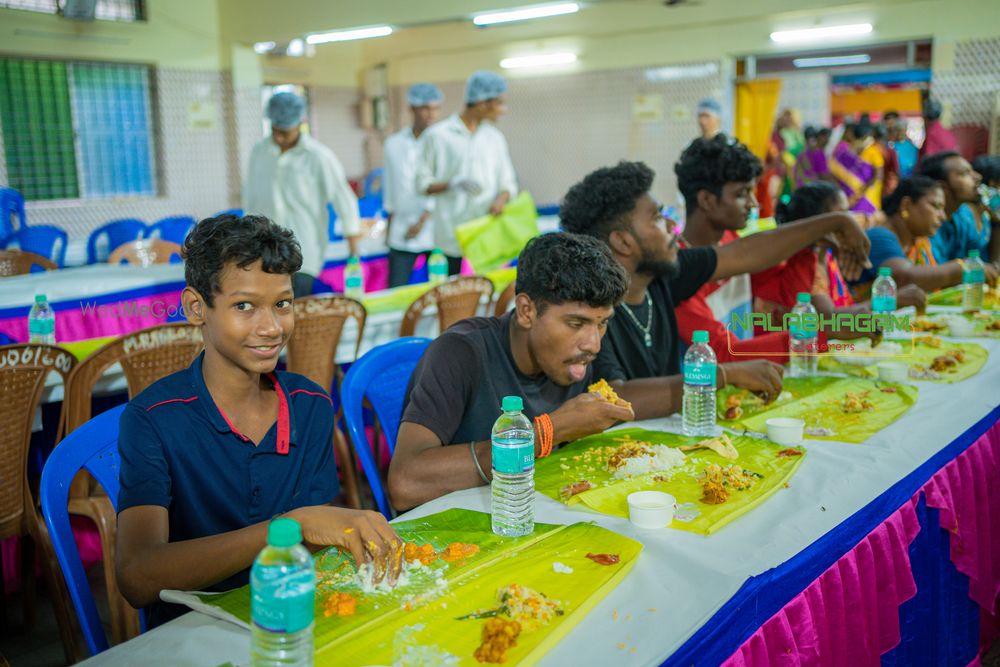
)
(963, 180)
(732, 208)
(251, 320)
(563, 339)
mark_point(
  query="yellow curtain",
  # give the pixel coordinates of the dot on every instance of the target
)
(756, 109)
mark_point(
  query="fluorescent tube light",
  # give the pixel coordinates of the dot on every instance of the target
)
(828, 32)
(296, 48)
(347, 35)
(525, 13)
(264, 47)
(833, 61)
(538, 60)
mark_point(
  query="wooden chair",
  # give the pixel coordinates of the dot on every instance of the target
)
(312, 351)
(148, 251)
(19, 263)
(455, 299)
(503, 301)
(145, 357)
(23, 369)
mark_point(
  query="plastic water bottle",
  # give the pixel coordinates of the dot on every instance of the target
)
(282, 592)
(513, 487)
(699, 387)
(802, 347)
(973, 277)
(42, 321)
(354, 278)
(884, 298)
(437, 267)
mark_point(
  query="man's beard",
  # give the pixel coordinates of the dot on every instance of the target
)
(658, 268)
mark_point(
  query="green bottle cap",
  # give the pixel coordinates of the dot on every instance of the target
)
(512, 404)
(700, 336)
(803, 297)
(885, 271)
(41, 298)
(973, 254)
(284, 533)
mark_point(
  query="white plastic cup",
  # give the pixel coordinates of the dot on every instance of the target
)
(785, 431)
(651, 509)
(893, 371)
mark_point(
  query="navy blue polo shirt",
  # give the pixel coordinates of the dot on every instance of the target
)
(179, 451)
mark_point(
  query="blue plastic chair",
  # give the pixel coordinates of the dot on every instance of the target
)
(373, 177)
(174, 228)
(238, 212)
(381, 375)
(11, 203)
(93, 446)
(117, 232)
(44, 240)
(331, 218)
(370, 206)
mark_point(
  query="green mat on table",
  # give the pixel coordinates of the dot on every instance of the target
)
(919, 355)
(81, 349)
(422, 616)
(399, 298)
(819, 402)
(952, 296)
(985, 324)
(586, 460)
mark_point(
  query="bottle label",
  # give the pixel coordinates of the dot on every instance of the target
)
(513, 460)
(353, 282)
(41, 327)
(973, 276)
(883, 304)
(699, 374)
(282, 601)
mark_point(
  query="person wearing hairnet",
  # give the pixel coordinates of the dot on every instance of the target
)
(290, 180)
(410, 233)
(709, 118)
(465, 164)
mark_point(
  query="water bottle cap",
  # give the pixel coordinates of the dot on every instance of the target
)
(973, 254)
(437, 251)
(803, 297)
(512, 404)
(700, 337)
(284, 533)
(41, 298)
(885, 271)
(353, 259)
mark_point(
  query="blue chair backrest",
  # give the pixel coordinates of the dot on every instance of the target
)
(370, 206)
(174, 228)
(382, 375)
(331, 217)
(373, 182)
(44, 240)
(11, 203)
(238, 212)
(115, 233)
(93, 446)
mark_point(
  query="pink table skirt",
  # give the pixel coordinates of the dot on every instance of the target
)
(850, 614)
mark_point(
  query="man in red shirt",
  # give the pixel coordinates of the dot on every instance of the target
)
(938, 138)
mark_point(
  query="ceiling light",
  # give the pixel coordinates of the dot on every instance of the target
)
(525, 13)
(347, 35)
(296, 48)
(264, 47)
(833, 61)
(828, 32)
(538, 60)
(682, 72)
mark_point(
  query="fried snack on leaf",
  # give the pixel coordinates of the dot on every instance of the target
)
(499, 635)
(722, 446)
(571, 490)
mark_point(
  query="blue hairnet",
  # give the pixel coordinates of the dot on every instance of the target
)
(711, 106)
(422, 94)
(286, 110)
(484, 85)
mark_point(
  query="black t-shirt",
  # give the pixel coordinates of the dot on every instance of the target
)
(624, 355)
(457, 387)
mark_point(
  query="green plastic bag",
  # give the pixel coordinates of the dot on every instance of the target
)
(491, 241)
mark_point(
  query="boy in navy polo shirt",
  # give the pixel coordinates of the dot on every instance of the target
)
(214, 452)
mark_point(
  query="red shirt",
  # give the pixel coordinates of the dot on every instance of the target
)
(938, 139)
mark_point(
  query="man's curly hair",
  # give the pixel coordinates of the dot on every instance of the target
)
(562, 268)
(228, 239)
(708, 164)
(601, 202)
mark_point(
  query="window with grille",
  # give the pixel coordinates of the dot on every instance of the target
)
(104, 10)
(77, 130)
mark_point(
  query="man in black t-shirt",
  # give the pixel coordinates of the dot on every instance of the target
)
(642, 349)
(566, 291)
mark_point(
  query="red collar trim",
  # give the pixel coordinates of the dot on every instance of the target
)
(284, 422)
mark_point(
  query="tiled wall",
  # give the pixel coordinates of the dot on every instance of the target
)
(810, 94)
(971, 86)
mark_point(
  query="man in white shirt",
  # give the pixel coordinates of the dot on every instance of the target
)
(465, 164)
(709, 118)
(291, 178)
(410, 235)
